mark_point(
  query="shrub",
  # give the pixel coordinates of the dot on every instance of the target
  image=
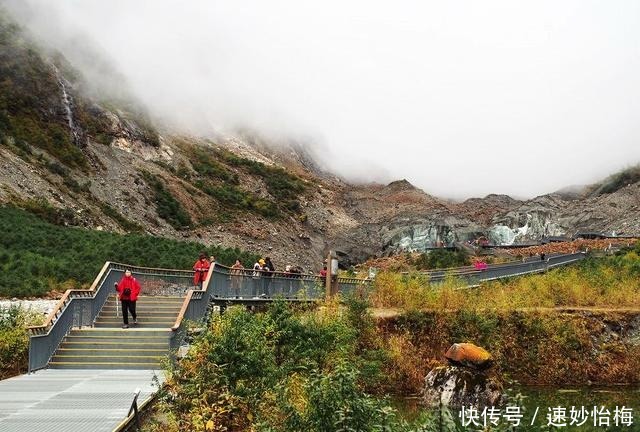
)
(168, 207)
(441, 258)
(611, 281)
(124, 223)
(14, 341)
(285, 369)
(619, 180)
(28, 90)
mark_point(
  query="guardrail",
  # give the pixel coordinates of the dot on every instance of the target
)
(512, 269)
(78, 308)
(228, 284)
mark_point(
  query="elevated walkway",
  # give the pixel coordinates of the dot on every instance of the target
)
(53, 400)
(85, 368)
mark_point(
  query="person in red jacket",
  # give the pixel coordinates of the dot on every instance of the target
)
(201, 268)
(128, 290)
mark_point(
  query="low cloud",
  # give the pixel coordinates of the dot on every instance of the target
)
(461, 98)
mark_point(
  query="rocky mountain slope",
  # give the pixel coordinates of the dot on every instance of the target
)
(80, 159)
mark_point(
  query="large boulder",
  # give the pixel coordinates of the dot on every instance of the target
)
(469, 355)
(457, 386)
(466, 381)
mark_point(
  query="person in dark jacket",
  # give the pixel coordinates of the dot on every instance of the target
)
(128, 290)
(267, 271)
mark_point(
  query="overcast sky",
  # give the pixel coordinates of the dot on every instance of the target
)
(462, 98)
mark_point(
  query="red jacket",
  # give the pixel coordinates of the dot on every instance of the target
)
(131, 283)
(201, 269)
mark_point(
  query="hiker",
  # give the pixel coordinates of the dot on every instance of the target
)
(323, 272)
(236, 277)
(128, 289)
(268, 270)
(288, 274)
(257, 271)
(201, 268)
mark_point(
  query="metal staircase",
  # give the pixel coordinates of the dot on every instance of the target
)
(107, 346)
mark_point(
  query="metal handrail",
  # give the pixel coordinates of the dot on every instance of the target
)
(66, 299)
(208, 287)
(81, 307)
(76, 293)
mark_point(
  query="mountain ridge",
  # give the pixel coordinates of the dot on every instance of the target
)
(85, 162)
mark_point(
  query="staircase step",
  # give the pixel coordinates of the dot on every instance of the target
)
(141, 318)
(131, 332)
(139, 304)
(105, 359)
(91, 351)
(138, 343)
(149, 308)
(118, 340)
(151, 325)
(152, 300)
(94, 365)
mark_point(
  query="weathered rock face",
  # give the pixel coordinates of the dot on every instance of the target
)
(103, 149)
(460, 386)
(467, 381)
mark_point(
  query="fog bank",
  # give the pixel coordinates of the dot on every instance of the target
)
(462, 98)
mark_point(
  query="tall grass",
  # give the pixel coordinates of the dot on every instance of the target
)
(612, 282)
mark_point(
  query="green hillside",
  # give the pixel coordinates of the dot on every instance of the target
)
(37, 257)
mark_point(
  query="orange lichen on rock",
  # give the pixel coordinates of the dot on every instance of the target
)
(469, 355)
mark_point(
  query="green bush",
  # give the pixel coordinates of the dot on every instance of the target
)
(14, 341)
(282, 185)
(282, 370)
(441, 258)
(234, 197)
(36, 256)
(124, 223)
(216, 176)
(168, 207)
(619, 180)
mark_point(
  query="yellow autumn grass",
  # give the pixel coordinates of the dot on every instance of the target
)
(596, 286)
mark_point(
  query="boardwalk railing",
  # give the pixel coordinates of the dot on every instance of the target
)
(229, 284)
(79, 308)
(499, 271)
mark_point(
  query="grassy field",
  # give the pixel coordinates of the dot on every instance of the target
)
(37, 257)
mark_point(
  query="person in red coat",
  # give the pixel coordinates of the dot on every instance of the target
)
(128, 290)
(201, 268)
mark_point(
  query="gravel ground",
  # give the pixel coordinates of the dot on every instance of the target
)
(41, 306)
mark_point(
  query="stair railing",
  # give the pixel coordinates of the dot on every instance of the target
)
(80, 308)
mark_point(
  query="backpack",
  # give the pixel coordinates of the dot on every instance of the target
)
(256, 270)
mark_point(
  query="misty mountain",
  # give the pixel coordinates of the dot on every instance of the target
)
(79, 158)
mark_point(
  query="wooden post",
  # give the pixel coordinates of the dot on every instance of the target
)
(331, 283)
(327, 280)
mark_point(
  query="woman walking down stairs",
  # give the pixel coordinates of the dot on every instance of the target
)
(108, 346)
